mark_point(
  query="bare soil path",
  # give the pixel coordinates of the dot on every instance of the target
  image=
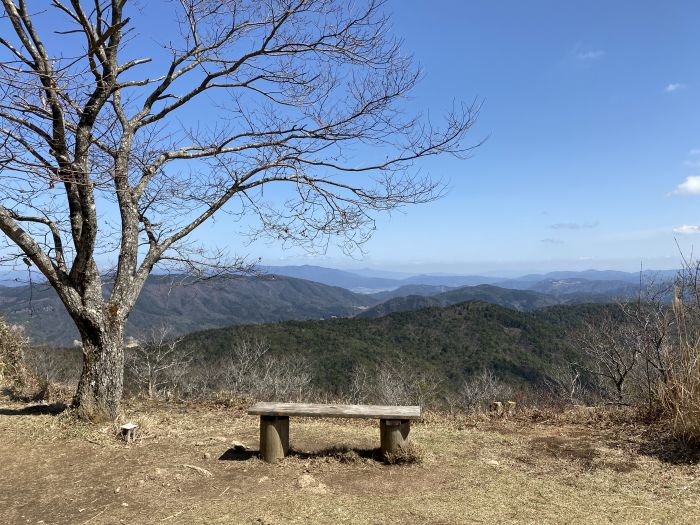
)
(185, 469)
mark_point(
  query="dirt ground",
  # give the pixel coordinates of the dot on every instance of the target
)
(184, 468)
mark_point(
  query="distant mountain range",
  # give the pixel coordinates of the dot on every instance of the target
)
(521, 300)
(310, 293)
(188, 307)
(368, 281)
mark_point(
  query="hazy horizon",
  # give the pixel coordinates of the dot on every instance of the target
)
(399, 271)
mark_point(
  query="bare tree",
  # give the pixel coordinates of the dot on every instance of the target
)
(159, 362)
(103, 153)
(478, 391)
(393, 384)
(653, 320)
(360, 386)
(281, 378)
(53, 365)
(613, 346)
(243, 359)
(249, 369)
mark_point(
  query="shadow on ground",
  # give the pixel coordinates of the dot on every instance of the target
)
(670, 449)
(238, 454)
(34, 410)
(653, 440)
(341, 454)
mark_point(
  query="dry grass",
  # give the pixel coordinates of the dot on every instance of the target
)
(409, 454)
(471, 470)
(681, 395)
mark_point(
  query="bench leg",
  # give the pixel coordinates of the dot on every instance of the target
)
(274, 437)
(393, 434)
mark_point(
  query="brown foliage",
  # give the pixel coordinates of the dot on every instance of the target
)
(13, 371)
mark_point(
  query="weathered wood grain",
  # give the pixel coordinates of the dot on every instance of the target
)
(321, 410)
(274, 438)
(393, 434)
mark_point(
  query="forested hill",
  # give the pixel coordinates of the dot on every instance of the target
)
(522, 300)
(451, 342)
(184, 308)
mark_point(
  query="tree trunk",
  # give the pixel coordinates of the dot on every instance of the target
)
(102, 381)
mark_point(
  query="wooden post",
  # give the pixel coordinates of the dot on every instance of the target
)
(393, 434)
(274, 437)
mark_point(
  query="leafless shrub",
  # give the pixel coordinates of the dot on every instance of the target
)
(54, 365)
(653, 350)
(392, 384)
(390, 387)
(249, 370)
(282, 379)
(200, 382)
(565, 382)
(360, 387)
(243, 359)
(479, 391)
(158, 365)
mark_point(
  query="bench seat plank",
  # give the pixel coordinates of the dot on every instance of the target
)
(321, 410)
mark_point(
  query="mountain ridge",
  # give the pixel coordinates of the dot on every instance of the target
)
(451, 343)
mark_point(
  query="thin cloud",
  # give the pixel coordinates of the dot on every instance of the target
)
(687, 229)
(672, 88)
(694, 152)
(552, 241)
(590, 55)
(574, 225)
(690, 186)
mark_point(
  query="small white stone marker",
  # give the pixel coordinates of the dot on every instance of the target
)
(128, 432)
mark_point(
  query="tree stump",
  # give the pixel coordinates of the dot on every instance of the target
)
(274, 437)
(510, 408)
(497, 408)
(128, 432)
(393, 434)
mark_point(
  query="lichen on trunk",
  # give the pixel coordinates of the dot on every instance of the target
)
(101, 383)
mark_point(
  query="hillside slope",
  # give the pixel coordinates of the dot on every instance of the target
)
(516, 299)
(451, 342)
(410, 289)
(188, 307)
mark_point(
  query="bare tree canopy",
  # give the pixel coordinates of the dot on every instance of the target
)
(115, 143)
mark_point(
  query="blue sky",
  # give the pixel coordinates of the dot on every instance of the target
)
(593, 152)
(591, 109)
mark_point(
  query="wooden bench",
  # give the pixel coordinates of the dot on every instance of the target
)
(394, 423)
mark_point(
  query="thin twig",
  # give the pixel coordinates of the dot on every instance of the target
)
(173, 516)
(96, 515)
